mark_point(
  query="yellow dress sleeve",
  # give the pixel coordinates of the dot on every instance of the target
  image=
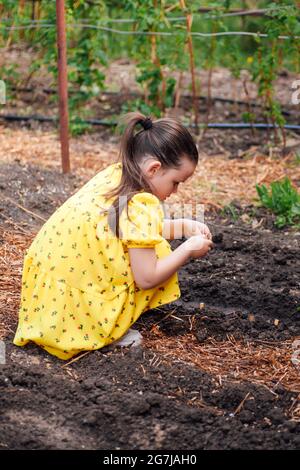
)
(143, 227)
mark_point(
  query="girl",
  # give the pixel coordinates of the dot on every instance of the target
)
(102, 258)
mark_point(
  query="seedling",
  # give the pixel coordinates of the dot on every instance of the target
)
(283, 200)
(297, 159)
(230, 210)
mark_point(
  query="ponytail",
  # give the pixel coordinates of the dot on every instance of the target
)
(167, 140)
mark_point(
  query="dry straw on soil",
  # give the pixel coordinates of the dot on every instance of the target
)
(261, 362)
(217, 180)
(12, 247)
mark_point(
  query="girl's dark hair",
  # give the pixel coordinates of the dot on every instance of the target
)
(165, 139)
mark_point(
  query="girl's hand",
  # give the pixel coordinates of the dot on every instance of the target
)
(193, 227)
(198, 246)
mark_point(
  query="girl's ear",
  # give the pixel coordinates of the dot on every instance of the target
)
(151, 168)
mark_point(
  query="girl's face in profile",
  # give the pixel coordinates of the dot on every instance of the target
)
(165, 181)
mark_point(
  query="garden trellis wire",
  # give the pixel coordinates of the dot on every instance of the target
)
(195, 34)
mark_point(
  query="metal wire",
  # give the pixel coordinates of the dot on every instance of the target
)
(148, 33)
(103, 20)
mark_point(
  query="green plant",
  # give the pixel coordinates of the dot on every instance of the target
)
(77, 125)
(248, 117)
(297, 159)
(153, 55)
(10, 77)
(85, 57)
(139, 104)
(150, 75)
(268, 60)
(283, 200)
(230, 210)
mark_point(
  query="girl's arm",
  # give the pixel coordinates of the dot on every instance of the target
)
(149, 272)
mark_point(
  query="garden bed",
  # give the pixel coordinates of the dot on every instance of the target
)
(215, 368)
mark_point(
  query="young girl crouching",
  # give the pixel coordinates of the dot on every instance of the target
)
(102, 259)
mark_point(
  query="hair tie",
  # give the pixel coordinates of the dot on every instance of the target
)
(146, 123)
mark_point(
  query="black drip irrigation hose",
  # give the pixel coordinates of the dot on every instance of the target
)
(245, 125)
(211, 125)
(252, 104)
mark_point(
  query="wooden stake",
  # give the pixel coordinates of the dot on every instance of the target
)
(155, 60)
(189, 20)
(21, 13)
(63, 85)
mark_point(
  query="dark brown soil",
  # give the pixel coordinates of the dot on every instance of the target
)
(248, 281)
(121, 399)
(118, 400)
(36, 188)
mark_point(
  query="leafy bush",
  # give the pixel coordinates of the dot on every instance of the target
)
(282, 199)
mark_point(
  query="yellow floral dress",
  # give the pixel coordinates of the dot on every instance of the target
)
(78, 291)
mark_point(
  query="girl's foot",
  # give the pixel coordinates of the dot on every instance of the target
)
(132, 338)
